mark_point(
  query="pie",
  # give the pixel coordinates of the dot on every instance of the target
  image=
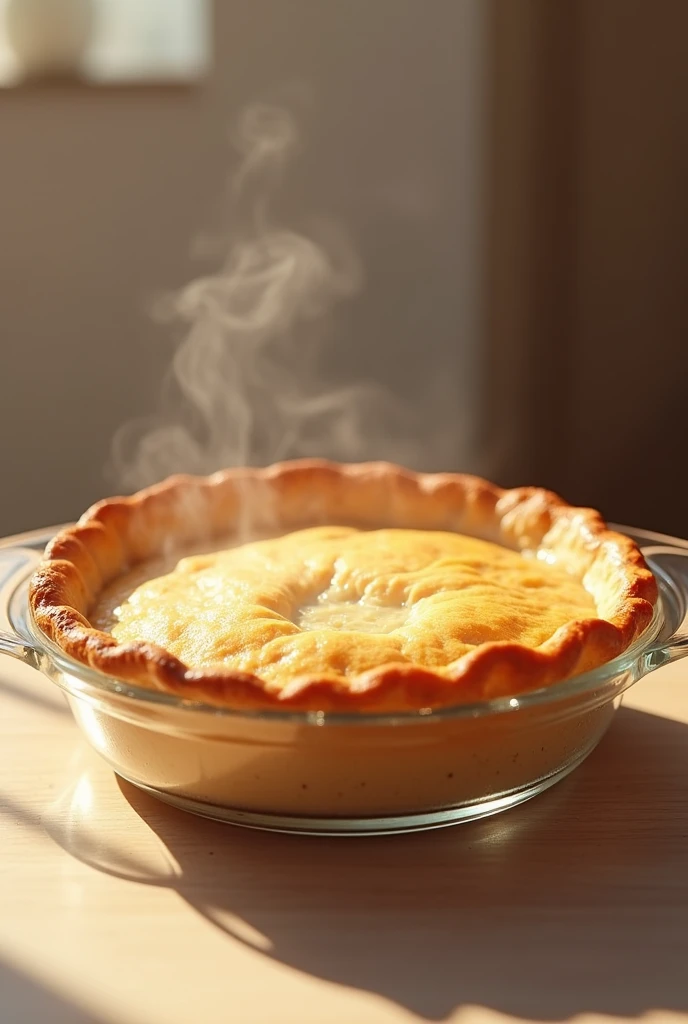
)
(318, 586)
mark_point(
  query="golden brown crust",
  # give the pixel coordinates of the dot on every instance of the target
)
(117, 533)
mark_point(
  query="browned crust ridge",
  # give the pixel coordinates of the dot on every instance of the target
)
(118, 533)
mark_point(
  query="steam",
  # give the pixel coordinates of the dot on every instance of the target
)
(247, 384)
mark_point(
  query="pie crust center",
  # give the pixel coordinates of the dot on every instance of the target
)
(338, 601)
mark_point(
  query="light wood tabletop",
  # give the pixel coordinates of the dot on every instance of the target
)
(117, 908)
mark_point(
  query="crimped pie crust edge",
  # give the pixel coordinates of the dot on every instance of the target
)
(117, 533)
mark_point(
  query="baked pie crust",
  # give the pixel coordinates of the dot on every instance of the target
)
(363, 592)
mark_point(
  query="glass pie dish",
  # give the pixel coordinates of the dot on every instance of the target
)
(342, 773)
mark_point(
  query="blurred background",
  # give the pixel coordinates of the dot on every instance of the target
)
(511, 173)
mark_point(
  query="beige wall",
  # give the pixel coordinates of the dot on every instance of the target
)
(102, 193)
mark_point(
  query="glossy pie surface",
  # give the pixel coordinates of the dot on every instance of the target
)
(336, 602)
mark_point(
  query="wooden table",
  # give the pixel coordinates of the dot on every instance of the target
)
(115, 908)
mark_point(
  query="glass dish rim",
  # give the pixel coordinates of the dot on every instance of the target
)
(575, 686)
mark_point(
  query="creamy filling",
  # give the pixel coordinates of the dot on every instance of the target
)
(357, 616)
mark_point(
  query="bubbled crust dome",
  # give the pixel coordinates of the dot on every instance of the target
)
(117, 534)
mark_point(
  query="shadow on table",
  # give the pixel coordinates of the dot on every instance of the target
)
(53, 701)
(576, 902)
(23, 1000)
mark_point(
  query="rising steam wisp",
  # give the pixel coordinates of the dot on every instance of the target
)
(246, 384)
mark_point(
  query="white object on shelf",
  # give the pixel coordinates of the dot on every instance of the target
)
(104, 41)
(48, 36)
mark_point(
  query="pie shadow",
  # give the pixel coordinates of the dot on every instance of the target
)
(576, 902)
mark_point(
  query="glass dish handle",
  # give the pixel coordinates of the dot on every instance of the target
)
(14, 563)
(670, 565)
